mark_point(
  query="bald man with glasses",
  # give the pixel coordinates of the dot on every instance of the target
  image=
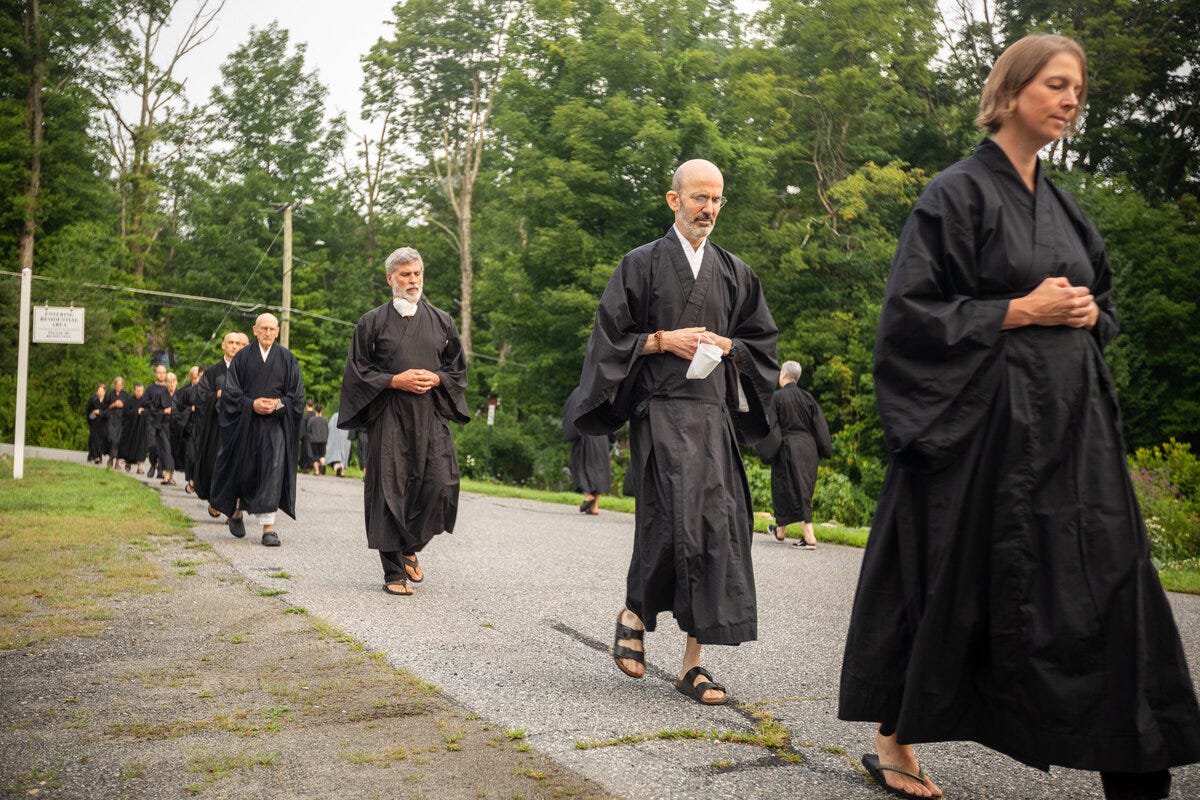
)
(683, 348)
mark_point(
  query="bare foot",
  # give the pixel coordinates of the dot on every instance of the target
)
(415, 573)
(713, 696)
(892, 753)
(401, 588)
(630, 667)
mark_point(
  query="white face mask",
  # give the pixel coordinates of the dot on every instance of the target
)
(705, 361)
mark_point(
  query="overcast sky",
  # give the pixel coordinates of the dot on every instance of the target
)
(336, 33)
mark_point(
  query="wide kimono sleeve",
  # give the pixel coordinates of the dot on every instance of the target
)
(938, 350)
(821, 432)
(234, 403)
(291, 396)
(450, 395)
(755, 365)
(362, 380)
(611, 363)
(570, 432)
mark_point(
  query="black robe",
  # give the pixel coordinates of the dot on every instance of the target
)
(591, 467)
(207, 430)
(97, 420)
(182, 423)
(135, 429)
(116, 420)
(410, 491)
(305, 449)
(803, 438)
(1007, 594)
(255, 467)
(694, 519)
(157, 400)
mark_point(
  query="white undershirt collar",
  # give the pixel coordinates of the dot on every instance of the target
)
(404, 307)
(695, 256)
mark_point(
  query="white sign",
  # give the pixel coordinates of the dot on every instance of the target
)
(491, 415)
(57, 325)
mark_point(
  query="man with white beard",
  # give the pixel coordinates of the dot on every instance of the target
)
(405, 379)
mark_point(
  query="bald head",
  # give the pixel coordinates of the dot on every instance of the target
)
(696, 198)
(266, 329)
(692, 170)
(233, 342)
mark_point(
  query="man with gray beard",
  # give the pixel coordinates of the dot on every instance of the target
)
(405, 379)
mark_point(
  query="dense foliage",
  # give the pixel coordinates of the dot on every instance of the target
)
(523, 147)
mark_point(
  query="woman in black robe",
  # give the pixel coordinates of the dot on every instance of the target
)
(114, 404)
(97, 419)
(1007, 595)
(590, 466)
(135, 429)
(803, 438)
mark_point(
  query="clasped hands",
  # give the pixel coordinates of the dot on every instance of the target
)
(1054, 302)
(417, 381)
(265, 405)
(683, 342)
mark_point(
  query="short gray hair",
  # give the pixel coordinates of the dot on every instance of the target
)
(402, 255)
(791, 370)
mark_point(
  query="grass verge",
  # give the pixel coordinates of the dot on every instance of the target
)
(1180, 576)
(72, 536)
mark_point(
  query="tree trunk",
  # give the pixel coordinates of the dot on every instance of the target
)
(466, 268)
(36, 134)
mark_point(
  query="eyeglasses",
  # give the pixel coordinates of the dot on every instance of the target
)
(704, 199)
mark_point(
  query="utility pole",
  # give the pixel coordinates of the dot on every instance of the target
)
(22, 374)
(285, 322)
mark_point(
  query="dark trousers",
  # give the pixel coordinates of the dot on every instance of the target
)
(1136, 785)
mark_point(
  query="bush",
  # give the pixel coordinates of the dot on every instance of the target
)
(1173, 527)
(522, 452)
(836, 498)
(1176, 462)
(758, 475)
(1166, 480)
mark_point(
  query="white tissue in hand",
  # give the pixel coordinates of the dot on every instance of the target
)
(705, 361)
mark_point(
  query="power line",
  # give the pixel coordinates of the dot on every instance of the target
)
(243, 307)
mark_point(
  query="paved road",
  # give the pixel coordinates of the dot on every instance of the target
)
(516, 614)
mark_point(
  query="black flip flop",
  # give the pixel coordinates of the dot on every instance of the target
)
(696, 691)
(387, 587)
(875, 770)
(414, 563)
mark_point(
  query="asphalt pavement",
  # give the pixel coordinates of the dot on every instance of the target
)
(516, 615)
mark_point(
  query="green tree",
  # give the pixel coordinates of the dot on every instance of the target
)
(603, 102)
(1142, 120)
(155, 124)
(56, 209)
(436, 79)
(270, 144)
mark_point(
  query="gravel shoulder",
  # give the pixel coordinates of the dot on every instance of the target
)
(211, 689)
